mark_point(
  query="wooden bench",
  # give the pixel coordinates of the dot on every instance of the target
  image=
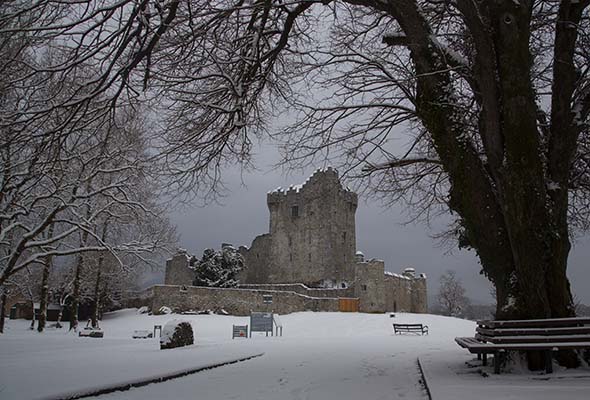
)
(547, 335)
(410, 328)
(91, 332)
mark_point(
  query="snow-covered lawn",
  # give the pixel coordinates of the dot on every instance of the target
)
(324, 356)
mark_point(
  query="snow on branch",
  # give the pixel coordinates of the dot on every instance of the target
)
(404, 162)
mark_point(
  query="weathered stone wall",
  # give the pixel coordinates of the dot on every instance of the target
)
(178, 271)
(312, 235)
(256, 260)
(419, 295)
(139, 299)
(398, 293)
(406, 293)
(370, 286)
(236, 301)
(302, 289)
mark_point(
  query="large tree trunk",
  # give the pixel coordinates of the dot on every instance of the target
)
(2, 311)
(32, 326)
(45, 288)
(75, 304)
(96, 306)
(96, 300)
(537, 224)
(61, 313)
(44, 295)
(507, 206)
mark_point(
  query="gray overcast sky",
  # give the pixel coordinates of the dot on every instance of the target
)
(380, 232)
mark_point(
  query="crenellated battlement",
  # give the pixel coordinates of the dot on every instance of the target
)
(325, 178)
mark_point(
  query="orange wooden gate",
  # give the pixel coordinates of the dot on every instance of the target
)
(348, 304)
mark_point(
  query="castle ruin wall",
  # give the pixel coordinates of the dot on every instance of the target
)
(236, 301)
(370, 286)
(178, 271)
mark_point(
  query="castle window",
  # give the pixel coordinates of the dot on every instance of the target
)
(257, 256)
(183, 288)
(343, 285)
(309, 256)
(364, 287)
(290, 241)
(267, 299)
(290, 257)
(295, 211)
(345, 257)
(343, 237)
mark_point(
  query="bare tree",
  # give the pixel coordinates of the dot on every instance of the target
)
(63, 115)
(451, 295)
(27, 283)
(495, 95)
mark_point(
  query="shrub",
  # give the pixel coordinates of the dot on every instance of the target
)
(176, 333)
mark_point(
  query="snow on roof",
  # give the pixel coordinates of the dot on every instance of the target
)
(389, 273)
(359, 253)
(294, 187)
(298, 187)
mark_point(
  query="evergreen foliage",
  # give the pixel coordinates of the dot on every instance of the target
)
(219, 268)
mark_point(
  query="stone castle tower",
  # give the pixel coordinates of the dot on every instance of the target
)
(312, 238)
(308, 260)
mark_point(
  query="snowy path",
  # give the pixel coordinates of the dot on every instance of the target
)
(321, 356)
(325, 369)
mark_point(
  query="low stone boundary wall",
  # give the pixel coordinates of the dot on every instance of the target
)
(236, 301)
(139, 299)
(302, 289)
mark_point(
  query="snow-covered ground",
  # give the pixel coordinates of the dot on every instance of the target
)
(324, 356)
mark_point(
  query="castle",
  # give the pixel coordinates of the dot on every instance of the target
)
(307, 261)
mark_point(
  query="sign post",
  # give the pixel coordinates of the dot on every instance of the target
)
(239, 331)
(261, 322)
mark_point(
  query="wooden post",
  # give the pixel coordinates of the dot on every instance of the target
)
(158, 327)
(498, 356)
(548, 361)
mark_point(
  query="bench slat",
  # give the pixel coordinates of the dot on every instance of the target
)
(575, 330)
(478, 347)
(533, 338)
(466, 341)
(535, 323)
(409, 325)
(410, 328)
